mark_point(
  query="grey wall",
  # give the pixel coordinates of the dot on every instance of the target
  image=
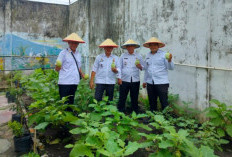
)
(196, 32)
(37, 19)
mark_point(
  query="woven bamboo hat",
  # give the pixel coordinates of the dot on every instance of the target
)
(153, 40)
(74, 38)
(108, 43)
(130, 42)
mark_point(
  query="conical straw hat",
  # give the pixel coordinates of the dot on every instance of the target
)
(73, 37)
(108, 43)
(153, 40)
(130, 42)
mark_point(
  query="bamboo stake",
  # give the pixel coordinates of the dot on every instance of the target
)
(35, 142)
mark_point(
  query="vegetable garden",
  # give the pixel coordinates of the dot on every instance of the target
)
(91, 128)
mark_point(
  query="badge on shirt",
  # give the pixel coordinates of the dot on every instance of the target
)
(147, 60)
(125, 61)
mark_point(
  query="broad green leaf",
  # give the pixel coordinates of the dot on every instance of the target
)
(69, 146)
(81, 150)
(217, 121)
(223, 141)
(145, 144)
(121, 143)
(95, 116)
(133, 115)
(156, 125)
(220, 132)
(215, 101)
(159, 118)
(131, 148)
(56, 141)
(69, 117)
(163, 153)
(229, 129)
(165, 144)
(120, 129)
(212, 114)
(146, 127)
(42, 126)
(93, 141)
(183, 133)
(206, 151)
(95, 101)
(104, 152)
(78, 131)
(141, 115)
(111, 146)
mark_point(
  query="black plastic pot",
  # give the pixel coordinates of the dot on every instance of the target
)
(11, 99)
(7, 94)
(23, 144)
(16, 117)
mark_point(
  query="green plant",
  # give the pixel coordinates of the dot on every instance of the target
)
(221, 117)
(169, 142)
(207, 135)
(16, 127)
(105, 131)
(84, 96)
(47, 108)
(31, 154)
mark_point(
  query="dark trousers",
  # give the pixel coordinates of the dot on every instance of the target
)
(100, 88)
(133, 87)
(68, 90)
(154, 91)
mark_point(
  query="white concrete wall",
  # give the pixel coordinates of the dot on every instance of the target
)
(195, 32)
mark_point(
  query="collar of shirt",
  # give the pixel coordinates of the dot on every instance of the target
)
(133, 54)
(104, 55)
(69, 50)
(158, 51)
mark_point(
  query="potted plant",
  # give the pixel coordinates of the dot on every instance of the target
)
(12, 95)
(22, 140)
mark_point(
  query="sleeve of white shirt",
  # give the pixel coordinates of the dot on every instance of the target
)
(169, 65)
(61, 56)
(145, 63)
(95, 65)
(79, 61)
(142, 62)
(146, 71)
(118, 67)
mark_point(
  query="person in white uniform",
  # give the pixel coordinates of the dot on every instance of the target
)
(131, 63)
(69, 67)
(105, 71)
(157, 64)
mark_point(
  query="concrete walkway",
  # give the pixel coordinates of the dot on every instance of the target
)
(6, 136)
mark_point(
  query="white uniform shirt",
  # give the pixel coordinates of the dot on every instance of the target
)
(68, 74)
(102, 67)
(157, 67)
(129, 71)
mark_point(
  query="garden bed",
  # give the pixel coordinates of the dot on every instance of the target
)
(91, 128)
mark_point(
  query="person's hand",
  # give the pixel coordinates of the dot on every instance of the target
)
(170, 58)
(139, 66)
(114, 70)
(119, 82)
(91, 85)
(144, 85)
(57, 68)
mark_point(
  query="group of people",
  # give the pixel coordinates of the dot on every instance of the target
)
(126, 69)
